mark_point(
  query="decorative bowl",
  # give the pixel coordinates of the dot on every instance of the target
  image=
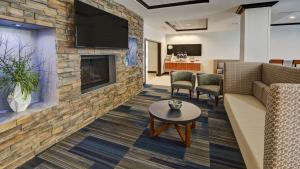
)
(175, 104)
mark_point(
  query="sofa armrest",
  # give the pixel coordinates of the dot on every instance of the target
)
(282, 127)
(239, 77)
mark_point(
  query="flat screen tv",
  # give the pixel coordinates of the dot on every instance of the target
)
(99, 29)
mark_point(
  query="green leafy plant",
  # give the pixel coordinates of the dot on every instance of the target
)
(16, 67)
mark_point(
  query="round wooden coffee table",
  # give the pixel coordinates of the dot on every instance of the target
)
(186, 116)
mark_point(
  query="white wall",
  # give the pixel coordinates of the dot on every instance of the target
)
(152, 56)
(215, 45)
(255, 35)
(285, 42)
(155, 35)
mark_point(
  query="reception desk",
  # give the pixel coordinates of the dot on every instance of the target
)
(194, 66)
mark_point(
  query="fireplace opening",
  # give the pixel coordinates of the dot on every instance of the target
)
(97, 71)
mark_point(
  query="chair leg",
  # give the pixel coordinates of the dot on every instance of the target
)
(190, 94)
(177, 90)
(217, 100)
(172, 92)
(198, 93)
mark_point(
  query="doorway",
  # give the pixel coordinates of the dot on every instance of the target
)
(152, 64)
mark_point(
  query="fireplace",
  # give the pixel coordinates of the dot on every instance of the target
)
(97, 71)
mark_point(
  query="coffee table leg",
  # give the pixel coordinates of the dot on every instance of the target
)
(180, 133)
(193, 124)
(151, 126)
(187, 135)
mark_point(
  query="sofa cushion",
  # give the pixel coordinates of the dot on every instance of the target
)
(210, 89)
(260, 91)
(182, 85)
(265, 95)
(247, 118)
(258, 88)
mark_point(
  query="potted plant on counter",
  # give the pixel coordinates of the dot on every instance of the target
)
(17, 74)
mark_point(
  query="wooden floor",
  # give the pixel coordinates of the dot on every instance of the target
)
(120, 139)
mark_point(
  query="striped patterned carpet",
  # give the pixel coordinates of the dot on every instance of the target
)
(120, 139)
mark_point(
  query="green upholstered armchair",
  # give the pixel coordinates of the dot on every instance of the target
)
(183, 80)
(209, 84)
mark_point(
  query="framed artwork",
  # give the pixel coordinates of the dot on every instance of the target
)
(132, 53)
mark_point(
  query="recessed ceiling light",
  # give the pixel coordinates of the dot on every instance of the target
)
(18, 25)
(292, 17)
(188, 24)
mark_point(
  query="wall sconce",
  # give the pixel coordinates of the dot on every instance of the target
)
(170, 47)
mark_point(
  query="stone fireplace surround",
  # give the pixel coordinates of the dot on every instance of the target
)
(24, 136)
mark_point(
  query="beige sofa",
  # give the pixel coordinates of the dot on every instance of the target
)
(263, 105)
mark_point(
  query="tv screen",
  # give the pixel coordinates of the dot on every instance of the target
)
(99, 29)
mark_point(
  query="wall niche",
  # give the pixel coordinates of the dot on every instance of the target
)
(42, 41)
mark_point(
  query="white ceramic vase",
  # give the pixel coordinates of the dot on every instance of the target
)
(17, 101)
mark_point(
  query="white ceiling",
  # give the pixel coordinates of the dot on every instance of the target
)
(189, 24)
(220, 13)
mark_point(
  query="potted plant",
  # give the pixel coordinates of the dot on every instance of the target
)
(17, 74)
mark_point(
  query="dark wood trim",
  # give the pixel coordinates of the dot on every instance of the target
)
(159, 60)
(151, 71)
(143, 3)
(182, 30)
(285, 24)
(276, 61)
(190, 2)
(172, 26)
(196, 29)
(144, 62)
(151, 40)
(242, 8)
(296, 62)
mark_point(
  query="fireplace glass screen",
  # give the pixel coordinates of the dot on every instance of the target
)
(94, 71)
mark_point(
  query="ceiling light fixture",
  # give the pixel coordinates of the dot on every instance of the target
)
(292, 17)
(18, 25)
(170, 47)
(188, 24)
